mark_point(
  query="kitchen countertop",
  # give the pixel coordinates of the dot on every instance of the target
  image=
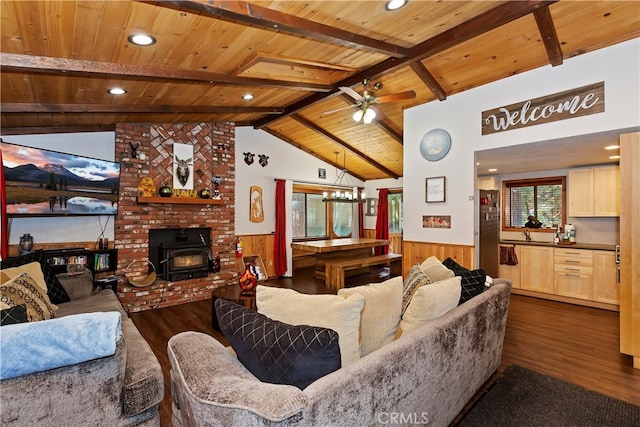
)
(590, 246)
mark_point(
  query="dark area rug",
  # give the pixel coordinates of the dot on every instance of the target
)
(521, 397)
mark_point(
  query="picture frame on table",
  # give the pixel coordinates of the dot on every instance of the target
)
(436, 189)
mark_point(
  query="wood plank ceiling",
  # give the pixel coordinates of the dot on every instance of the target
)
(58, 58)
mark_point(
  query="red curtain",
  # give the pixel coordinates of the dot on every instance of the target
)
(280, 245)
(4, 243)
(382, 221)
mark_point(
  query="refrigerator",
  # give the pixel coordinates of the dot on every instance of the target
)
(489, 233)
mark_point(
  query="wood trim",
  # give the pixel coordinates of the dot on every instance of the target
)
(33, 107)
(416, 252)
(549, 35)
(551, 180)
(569, 300)
(180, 200)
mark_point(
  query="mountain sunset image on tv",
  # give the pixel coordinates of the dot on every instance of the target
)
(41, 182)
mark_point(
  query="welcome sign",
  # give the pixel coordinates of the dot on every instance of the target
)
(578, 102)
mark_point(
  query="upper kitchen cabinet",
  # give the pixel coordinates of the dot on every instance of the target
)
(594, 191)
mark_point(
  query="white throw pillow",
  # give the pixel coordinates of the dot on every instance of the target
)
(326, 311)
(430, 302)
(436, 271)
(381, 314)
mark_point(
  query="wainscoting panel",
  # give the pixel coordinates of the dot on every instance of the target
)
(396, 240)
(259, 244)
(415, 252)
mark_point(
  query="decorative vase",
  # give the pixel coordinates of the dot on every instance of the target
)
(248, 280)
(165, 191)
(205, 193)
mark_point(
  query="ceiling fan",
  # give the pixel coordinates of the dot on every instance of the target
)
(366, 99)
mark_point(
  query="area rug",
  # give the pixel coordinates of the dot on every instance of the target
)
(521, 397)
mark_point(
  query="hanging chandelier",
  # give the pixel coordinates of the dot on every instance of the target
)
(351, 196)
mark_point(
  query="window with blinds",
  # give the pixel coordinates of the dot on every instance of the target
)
(543, 198)
(309, 215)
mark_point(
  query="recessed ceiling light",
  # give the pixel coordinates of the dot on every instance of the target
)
(395, 4)
(247, 97)
(611, 147)
(117, 91)
(142, 39)
(493, 170)
(614, 157)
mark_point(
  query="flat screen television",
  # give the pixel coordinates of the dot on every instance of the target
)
(41, 182)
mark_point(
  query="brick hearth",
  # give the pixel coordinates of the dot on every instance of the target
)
(214, 154)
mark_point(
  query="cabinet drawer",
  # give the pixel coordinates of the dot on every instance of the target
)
(573, 269)
(568, 252)
(575, 285)
(573, 260)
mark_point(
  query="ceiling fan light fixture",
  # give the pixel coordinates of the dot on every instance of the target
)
(395, 4)
(369, 115)
(357, 116)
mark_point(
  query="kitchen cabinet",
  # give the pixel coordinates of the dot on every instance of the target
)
(573, 273)
(594, 192)
(606, 288)
(536, 268)
(512, 272)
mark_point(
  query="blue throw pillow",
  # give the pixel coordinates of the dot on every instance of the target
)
(276, 352)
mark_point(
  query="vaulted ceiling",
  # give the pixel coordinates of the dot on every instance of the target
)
(59, 58)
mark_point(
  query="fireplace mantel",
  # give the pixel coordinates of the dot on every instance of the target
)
(180, 200)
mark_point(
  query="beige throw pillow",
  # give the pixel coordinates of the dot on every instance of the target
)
(33, 269)
(436, 271)
(326, 311)
(381, 314)
(430, 302)
(24, 290)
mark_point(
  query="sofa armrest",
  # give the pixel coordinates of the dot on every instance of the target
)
(210, 384)
(88, 393)
(77, 285)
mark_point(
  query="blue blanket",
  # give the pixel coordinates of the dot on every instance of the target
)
(26, 348)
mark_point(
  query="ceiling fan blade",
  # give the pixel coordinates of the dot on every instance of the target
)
(352, 93)
(326, 113)
(396, 97)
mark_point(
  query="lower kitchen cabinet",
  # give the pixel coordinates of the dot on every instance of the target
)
(536, 271)
(573, 273)
(512, 272)
(606, 287)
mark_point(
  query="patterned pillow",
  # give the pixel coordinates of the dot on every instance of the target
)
(414, 280)
(276, 352)
(13, 315)
(24, 290)
(452, 265)
(56, 292)
(472, 283)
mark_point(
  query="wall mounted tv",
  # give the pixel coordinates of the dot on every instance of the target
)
(41, 182)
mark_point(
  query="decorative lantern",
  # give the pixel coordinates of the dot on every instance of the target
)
(26, 244)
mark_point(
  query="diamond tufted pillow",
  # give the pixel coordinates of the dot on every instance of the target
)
(473, 281)
(276, 352)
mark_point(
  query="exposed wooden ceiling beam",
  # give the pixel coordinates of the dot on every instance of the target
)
(344, 144)
(549, 35)
(308, 151)
(428, 79)
(79, 67)
(35, 130)
(117, 108)
(482, 23)
(271, 20)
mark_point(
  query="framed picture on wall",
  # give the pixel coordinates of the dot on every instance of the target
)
(436, 189)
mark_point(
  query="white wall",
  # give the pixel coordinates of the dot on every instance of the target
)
(618, 66)
(371, 190)
(99, 145)
(285, 162)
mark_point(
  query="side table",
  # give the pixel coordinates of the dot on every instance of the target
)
(234, 294)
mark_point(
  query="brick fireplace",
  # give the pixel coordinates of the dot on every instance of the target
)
(214, 155)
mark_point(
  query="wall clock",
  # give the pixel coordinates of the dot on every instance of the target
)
(435, 144)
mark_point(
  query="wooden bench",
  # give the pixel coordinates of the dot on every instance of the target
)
(335, 270)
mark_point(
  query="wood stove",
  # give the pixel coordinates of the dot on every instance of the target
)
(182, 261)
(180, 254)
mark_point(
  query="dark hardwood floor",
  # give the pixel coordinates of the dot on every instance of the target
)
(577, 344)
